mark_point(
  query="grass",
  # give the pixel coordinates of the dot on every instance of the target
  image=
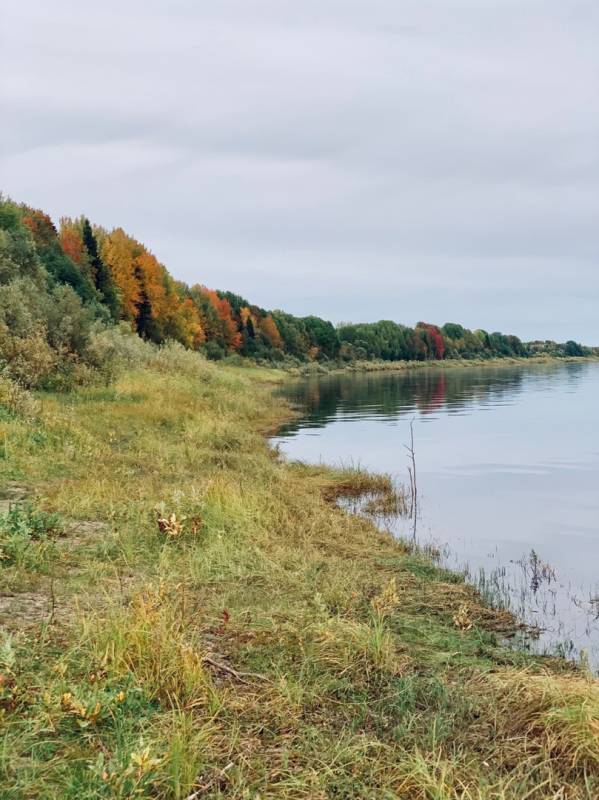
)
(207, 622)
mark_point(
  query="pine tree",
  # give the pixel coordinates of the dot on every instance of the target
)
(101, 273)
(145, 324)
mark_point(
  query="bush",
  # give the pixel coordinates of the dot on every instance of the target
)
(172, 357)
(214, 351)
(26, 536)
(17, 400)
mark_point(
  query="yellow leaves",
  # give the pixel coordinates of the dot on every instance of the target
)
(60, 669)
(144, 760)
(120, 253)
(171, 525)
(387, 601)
(461, 619)
(84, 715)
(133, 780)
(84, 711)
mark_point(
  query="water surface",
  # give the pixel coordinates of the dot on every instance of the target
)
(508, 475)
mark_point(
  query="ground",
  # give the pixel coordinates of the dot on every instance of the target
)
(185, 615)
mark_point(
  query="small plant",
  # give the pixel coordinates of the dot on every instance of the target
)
(84, 714)
(461, 619)
(173, 524)
(130, 779)
(26, 536)
(386, 602)
(8, 686)
(170, 524)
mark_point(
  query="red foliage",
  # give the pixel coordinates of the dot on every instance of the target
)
(72, 244)
(435, 341)
(40, 225)
(223, 308)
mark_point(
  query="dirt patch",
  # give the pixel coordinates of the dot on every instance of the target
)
(21, 610)
(12, 493)
(85, 531)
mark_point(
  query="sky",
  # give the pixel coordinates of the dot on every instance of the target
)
(411, 160)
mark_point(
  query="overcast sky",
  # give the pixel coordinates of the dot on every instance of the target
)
(356, 159)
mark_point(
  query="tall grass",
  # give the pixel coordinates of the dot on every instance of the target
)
(221, 628)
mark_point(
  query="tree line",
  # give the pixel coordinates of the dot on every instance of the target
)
(60, 284)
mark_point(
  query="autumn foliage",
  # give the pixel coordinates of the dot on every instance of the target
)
(118, 278)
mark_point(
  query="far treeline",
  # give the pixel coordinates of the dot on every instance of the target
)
(63, 289)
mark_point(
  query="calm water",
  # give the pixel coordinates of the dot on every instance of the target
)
(508, 476)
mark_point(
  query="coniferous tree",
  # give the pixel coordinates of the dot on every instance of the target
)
(101, 273)
(144, 320)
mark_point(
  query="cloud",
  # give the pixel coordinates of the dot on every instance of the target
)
(394, 159)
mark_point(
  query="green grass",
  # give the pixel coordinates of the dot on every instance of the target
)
(207, 621)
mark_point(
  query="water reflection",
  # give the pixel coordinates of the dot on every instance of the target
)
(508, 464)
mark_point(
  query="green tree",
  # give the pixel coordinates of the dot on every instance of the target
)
(102, 277)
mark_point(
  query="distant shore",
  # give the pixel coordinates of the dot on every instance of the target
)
(319, 368)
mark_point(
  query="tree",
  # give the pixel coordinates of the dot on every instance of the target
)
(268, 328)
(58, 264)
(573, 348)
(101, 274)
(230, 334)
(71, 244)
(433, 337)
(119, 252)
(144, 319)
(322, 336)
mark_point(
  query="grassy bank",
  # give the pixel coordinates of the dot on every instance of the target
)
(447, 363)
(186, 616)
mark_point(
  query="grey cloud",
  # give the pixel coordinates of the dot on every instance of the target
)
(392, 159)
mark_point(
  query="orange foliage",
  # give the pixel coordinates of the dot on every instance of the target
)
(225, 313)
(71, 243)
(40, 225)
(138, 273)
(244, 315)
(269, 329)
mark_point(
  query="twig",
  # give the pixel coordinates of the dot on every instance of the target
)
(240, 676)
(413, 483)
(52, 602)
(205, 786)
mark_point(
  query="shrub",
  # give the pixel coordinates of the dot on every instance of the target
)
(17, 400)
(26, 537)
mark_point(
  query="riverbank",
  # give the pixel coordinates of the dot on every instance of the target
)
(324, 368)
(186, 615)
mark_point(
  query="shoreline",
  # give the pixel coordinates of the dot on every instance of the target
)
(315, 369)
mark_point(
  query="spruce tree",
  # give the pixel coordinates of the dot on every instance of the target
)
(102, 277)
(145, 325)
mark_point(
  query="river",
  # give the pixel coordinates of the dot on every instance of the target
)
(507, 471)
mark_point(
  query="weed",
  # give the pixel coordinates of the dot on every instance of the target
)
(26, 537)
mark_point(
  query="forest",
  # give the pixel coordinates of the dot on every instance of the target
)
(66, 289)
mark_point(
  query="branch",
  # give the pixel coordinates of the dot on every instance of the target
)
(240, 676)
